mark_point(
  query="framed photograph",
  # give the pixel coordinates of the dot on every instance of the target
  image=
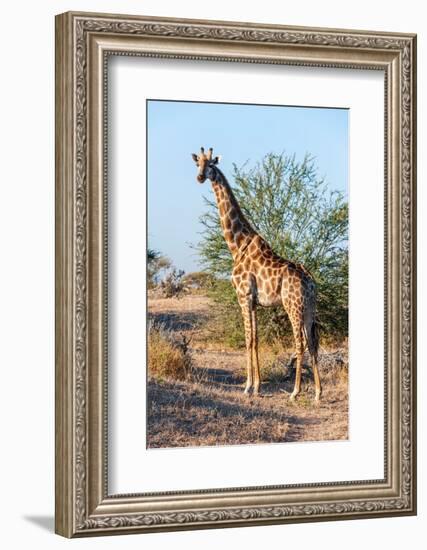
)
(235, 274)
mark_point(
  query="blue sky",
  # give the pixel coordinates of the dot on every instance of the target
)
(239, 133)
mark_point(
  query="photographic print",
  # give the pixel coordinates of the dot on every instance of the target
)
(235, 274)
(247, 274)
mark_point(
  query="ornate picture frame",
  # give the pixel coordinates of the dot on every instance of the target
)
(84, 42)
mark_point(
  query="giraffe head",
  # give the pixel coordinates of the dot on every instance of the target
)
(206, 164)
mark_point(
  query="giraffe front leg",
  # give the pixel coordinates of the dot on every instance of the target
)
(247, 320)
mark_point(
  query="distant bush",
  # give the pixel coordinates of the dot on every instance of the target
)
(172, 285)
(198, 280)
(168, 355)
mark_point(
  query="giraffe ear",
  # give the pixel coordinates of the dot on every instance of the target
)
(194, 157)
(216, 160)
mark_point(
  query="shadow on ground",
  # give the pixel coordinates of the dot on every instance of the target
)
(182, 321)
(183, 416)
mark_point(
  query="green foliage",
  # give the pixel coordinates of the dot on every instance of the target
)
(227, 323)
(292, 208)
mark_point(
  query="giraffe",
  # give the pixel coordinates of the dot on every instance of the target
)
(261, 277)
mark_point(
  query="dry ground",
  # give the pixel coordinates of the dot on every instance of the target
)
(210, 408)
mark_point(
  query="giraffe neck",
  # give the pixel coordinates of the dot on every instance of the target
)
(236, 228)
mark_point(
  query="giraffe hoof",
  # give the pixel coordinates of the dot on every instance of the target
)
(247, 390)
(317, 398)
(292, 397)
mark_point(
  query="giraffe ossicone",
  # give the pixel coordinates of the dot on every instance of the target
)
(262, 278)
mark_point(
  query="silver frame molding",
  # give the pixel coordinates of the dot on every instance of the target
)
(83, 43)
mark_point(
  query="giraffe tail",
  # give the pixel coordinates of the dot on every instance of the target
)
(312, 336)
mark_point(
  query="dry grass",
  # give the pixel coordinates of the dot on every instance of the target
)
(168, 357)
(207, 405)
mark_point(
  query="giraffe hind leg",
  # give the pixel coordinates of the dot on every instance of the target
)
(312, 338)
(255, 359)
(299, 350)
(317, 383)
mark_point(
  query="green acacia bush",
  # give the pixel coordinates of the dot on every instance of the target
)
(304, 221)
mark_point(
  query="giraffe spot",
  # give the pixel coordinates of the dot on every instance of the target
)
(239, 238)
(236, 226)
